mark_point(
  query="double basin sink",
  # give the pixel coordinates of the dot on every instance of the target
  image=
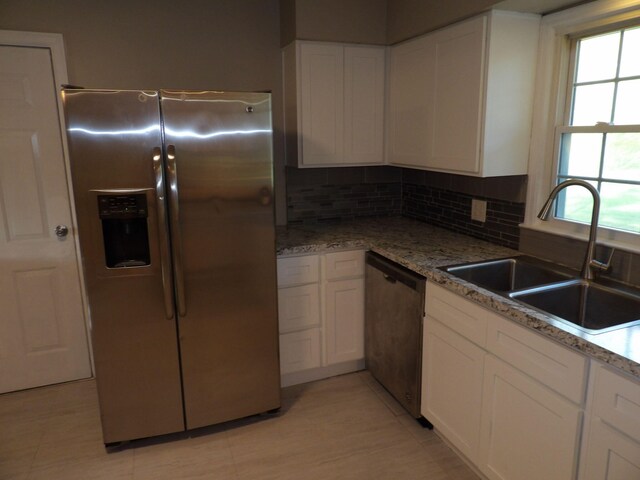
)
(592, 306)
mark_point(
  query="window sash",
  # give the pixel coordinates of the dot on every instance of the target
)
(602, 129)
(552, 109)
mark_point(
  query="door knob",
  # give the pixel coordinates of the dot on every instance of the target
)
(61, 231)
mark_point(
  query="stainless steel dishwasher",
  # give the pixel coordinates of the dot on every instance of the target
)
(394, 311)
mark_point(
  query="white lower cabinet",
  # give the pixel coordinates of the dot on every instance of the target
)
(611, 445)
(299, 313)
(320, 315)
(491, 388)
(453, 370)
(611, 454)
(344, 320)
(298, 307)
(528, 431)
(300, 350)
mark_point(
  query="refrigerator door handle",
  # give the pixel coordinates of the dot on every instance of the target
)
(174, 215)
(163, 234)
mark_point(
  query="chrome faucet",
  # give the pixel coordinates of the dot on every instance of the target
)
(590, 263)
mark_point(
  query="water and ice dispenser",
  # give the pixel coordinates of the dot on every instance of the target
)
(124, 230)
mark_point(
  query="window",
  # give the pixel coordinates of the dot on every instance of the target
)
(599, 140)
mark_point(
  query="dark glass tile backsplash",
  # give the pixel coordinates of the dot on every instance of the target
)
(338, 194)
(452, 210)
(331, 203)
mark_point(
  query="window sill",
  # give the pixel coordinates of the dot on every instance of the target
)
(611, 238)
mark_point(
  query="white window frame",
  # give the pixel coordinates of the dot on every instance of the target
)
(554, 56)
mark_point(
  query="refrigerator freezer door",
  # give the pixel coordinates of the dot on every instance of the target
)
(113, 144)
(228, 333)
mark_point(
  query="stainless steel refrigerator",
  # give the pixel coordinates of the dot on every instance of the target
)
(174, 200)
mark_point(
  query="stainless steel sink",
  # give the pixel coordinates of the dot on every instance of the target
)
(593, 306)
(509, 274)
(590, 306)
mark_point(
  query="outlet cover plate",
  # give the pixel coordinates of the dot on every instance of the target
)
(478, 210)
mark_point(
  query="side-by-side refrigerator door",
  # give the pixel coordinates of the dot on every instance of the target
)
(116, 161)
(219, 169)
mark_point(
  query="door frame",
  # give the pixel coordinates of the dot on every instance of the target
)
(54, 42)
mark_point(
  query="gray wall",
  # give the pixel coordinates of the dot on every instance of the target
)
(194, 44)
(377, 22)
(217, 44)
(354, 21)
(287, 21)
(409, 18)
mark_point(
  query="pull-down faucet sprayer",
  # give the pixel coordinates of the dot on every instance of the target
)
(590, 264)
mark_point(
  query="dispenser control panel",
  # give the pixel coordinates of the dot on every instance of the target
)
(122, 206)
(125, 232)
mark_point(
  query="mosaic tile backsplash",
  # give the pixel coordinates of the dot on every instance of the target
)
(452, 210)
(333, 203)
(328, 195)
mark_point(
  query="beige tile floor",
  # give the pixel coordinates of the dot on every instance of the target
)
(345, 427)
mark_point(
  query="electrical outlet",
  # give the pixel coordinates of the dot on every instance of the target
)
(478, 210)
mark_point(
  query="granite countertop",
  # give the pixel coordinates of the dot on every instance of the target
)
(423, 248)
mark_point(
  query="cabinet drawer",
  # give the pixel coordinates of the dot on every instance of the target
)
(553, 365)
(298, 307)
(460, 315)
(298, 270)
(300, 350)
(344, 264)
(616, 401)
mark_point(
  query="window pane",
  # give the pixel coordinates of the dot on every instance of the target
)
(628, 102)
(622, 156)
(630, 61)
(592, 104)
(620, 206)
(609, 160)
(580, 154)
(575, 203)
(598, 57)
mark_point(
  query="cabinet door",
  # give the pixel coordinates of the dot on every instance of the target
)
(454, 136)
(345, 320)
(410, 97)
(610, 455)
(322, 97)
(363, 104)
(616, 400)
(527, 431)
(452, 376)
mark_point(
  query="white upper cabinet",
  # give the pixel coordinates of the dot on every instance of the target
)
(334, 104)
(461, 98)
(457, 92)
(322, 103)
(410, 93)
(364, 69)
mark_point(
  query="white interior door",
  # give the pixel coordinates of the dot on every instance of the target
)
(42, 328)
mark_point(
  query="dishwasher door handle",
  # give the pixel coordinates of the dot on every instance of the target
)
(389, 278)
